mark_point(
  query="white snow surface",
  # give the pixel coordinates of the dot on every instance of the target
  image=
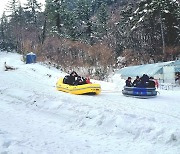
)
(35, 118)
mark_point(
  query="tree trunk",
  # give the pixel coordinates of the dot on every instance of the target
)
(162, 33)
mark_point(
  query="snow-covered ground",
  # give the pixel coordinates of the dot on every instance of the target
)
(35, 118)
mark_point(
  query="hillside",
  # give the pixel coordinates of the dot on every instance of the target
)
(36, 118)
(94, 33)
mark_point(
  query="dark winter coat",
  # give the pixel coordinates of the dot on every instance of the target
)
(74, 79)
(151, 84)
(68, 79)
(128, 83)
(145, 78)
(144, 81)
(136, 82)
(71, 80)
(65, 79)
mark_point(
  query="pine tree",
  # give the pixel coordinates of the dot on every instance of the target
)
(5, 42)
(70, 24)
(84, 12)
(12, 7)
(177, 12)
(20, 28)
(56, 10)
(124, 39)
(32, 8)
(161, 17)
(102, 16)
(3, 29)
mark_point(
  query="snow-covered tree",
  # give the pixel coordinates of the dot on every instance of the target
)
(4, 31)
(84, 12)
(12, 7)
(32, 8)
(159, 17)
(102, 15)
(62, 18)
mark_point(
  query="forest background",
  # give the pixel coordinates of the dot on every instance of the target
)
(97, 35)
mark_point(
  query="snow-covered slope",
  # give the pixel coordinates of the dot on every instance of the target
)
(35, 118)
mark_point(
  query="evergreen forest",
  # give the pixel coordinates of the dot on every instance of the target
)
(100, 35)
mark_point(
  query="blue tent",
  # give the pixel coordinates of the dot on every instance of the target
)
(30, 58)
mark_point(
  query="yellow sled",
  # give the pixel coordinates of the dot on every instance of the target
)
(94, 89)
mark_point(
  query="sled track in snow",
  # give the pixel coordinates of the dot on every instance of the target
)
(130, 105)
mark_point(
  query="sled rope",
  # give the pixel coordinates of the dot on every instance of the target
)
(111, 91)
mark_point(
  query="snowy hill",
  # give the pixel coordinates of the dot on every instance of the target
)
(35, 118)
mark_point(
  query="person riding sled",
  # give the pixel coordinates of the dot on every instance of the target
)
(75, 79)
(137, 81)
(128, 82)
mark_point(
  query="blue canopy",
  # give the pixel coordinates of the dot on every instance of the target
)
(177, 66)
(149, 69)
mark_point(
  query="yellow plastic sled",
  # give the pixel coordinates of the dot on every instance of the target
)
(93, 89)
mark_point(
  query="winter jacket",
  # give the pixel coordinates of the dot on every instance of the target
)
(151, 84)
(128, 83)
(136, 82)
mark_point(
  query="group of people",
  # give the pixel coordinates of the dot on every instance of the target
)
(75, 79)
(142, 82)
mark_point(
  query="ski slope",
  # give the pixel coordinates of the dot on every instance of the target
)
(35, 118)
